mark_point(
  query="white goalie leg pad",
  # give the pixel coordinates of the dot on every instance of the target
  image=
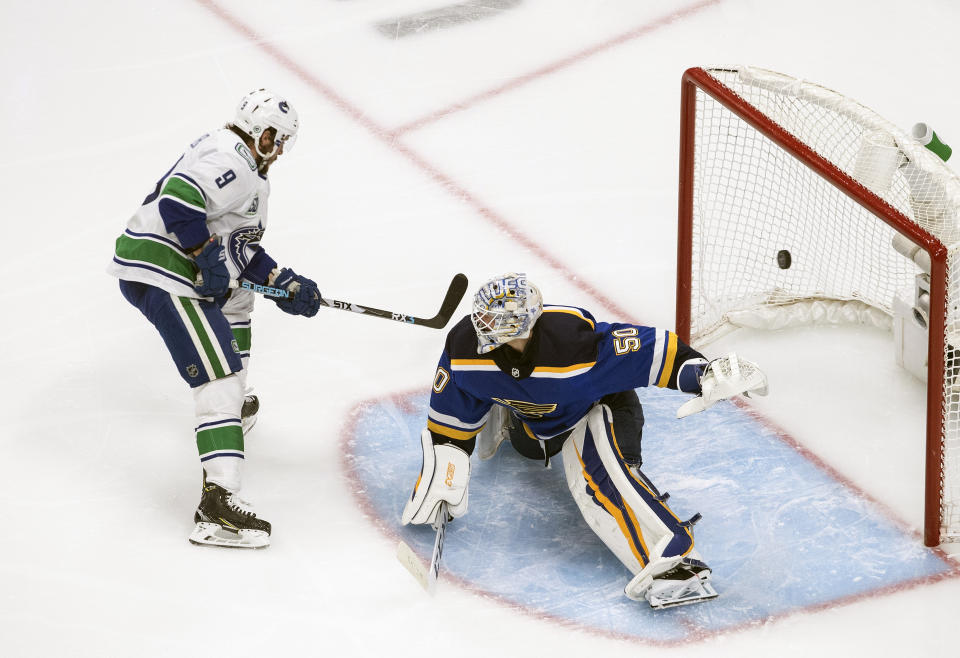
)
(606, 526)
(494, 431)
(722, 379)
(627, 515)
(444, 477)
(219, 430)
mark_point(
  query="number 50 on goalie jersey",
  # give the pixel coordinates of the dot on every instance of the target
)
(570, 362)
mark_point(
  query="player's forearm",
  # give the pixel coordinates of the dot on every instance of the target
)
(259, 269)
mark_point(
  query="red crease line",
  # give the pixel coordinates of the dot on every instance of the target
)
(389, 138)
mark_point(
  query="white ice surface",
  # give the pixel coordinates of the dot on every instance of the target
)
(544, 139)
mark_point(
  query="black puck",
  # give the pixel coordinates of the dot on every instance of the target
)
(784, 259)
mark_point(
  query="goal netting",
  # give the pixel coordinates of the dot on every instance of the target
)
(800, 205)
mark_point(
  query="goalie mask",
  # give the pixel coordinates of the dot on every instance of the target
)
(505, 308)
(260, 110)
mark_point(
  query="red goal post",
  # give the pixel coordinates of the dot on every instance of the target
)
(790, 196)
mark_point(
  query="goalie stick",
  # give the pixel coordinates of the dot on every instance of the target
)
(426, 576)
(458, 286)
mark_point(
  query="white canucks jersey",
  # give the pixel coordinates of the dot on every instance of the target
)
(213, 189)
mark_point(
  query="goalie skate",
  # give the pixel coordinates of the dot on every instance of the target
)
(682, 585)
(223, 519)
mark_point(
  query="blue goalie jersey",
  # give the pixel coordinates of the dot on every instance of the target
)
(569, 363)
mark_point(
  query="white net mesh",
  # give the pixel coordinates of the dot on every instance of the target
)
(774, 242)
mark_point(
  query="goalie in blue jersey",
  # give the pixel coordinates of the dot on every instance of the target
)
(553, 380)
(195, 234)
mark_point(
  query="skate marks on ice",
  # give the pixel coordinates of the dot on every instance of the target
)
(782, 534)
(444, 17)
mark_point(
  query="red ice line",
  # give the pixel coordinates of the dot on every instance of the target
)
(391, 139)
(559, 65)
(404, 402)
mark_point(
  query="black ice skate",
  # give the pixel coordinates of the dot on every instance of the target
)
(248, 413)
(223, 519)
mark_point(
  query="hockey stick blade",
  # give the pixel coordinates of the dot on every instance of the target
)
(456, 291)
(427, 576)
(458, 287)
(411, 561)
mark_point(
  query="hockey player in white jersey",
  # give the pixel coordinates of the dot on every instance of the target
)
(552, 379)
(194, 234)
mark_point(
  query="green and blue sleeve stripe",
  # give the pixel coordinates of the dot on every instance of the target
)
(183, 208)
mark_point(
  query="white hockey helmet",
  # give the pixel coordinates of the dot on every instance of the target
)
(506, 307)
(262, 109)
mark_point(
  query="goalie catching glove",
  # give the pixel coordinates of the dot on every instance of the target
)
(443, 478)
(722, 379)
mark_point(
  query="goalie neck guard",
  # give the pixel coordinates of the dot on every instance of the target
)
(505, 308)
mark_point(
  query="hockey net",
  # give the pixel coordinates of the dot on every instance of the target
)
(799, 205)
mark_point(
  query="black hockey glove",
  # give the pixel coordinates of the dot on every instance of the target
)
(213, 279)
(306, 294)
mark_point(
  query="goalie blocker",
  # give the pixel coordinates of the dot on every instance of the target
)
(443, 478)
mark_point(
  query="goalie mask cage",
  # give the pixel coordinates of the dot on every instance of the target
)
(790, 198)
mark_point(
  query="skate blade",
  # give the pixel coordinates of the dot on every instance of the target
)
(695, 593)
(212, 534)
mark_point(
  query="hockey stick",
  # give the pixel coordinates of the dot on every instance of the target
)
(426, 576)
(458, 286)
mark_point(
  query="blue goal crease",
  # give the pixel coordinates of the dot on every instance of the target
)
(780, 533)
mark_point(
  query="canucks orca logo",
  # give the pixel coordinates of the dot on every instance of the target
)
(528, 409)
(240, 240)
(284, 107)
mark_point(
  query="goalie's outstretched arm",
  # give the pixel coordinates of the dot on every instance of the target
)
(634, 355)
